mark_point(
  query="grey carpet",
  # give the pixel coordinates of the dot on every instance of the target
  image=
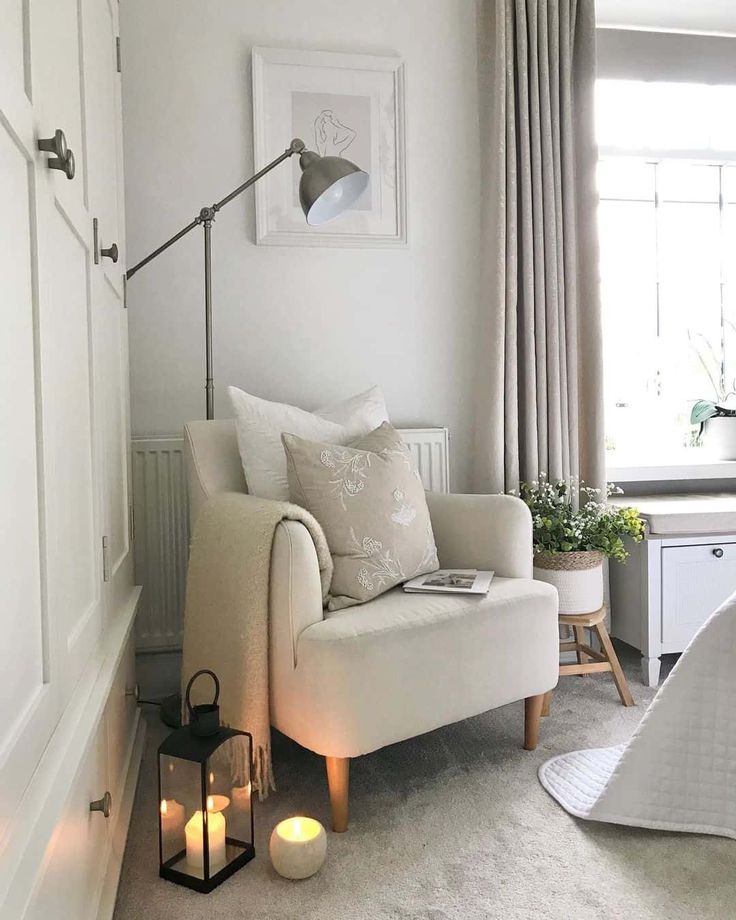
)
(452, 826)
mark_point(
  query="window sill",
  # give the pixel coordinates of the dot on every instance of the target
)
(684, 466)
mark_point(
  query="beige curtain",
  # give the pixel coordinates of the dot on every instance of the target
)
(540, 403)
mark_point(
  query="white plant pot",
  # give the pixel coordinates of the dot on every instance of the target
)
(578, 578)
(719, 436)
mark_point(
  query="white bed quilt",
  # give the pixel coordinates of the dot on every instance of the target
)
(678, 771)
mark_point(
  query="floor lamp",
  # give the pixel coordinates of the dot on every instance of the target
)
(328, 186)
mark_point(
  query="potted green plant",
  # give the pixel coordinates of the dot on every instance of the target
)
(717, 429)
(574, 530)
(718, 425)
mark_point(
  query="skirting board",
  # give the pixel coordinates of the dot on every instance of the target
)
(120, 832)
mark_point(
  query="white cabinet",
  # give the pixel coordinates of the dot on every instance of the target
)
(68, 603)
(70, 886)
(695, 581)
(82, 860)
(667, 589)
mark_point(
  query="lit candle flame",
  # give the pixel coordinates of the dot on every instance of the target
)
(164, 806)
(212, 778)
(210, 803)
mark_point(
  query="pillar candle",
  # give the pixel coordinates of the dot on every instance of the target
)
(172, 817)
(215, 835)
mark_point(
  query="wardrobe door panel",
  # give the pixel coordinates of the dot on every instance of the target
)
(102, 126)
(13, 47)
(67, 334)
(75, 547)
(112, 420)
(58, 90)
(102, 106)
(28, 709)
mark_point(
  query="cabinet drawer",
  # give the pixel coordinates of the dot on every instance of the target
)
(76, 858)
(695, 580)
(120, 719)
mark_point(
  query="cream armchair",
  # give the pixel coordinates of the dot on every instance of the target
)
(349, 683)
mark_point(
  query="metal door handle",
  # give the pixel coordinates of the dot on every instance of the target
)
(718, 552)
(104, 805)
(110, 253)
(55, 144)
(66, 165)
(64, 157)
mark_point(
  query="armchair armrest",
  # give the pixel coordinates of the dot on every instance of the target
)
(295, 602)
(482, 532)
(295, 591)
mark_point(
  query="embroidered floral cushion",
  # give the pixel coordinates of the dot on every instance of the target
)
(369, 499)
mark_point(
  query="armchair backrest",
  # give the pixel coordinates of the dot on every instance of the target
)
(212, 462)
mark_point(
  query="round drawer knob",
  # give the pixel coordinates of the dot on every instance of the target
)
(718, 552)
(104, 805)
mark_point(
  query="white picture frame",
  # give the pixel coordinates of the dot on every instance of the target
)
(349, 105)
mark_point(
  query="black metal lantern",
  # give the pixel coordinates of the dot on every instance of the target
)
(204, 784)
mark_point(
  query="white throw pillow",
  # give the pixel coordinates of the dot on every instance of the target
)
(260, 424)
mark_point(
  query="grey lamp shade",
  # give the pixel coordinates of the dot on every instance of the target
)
(329, 185)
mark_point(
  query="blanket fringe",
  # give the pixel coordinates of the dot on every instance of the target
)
(261, 772)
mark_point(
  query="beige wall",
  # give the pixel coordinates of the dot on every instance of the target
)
(304, 325)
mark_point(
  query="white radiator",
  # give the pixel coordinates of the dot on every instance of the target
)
(161, 518)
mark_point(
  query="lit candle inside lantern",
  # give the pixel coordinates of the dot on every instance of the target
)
(217, 802)
(298, 847)
(172, 817)
(215, 836)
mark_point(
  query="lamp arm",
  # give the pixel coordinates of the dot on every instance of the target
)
(296, 146)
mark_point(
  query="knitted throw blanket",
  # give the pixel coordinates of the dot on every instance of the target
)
(226, 624)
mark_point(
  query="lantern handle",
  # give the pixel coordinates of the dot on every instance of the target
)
(190, 708)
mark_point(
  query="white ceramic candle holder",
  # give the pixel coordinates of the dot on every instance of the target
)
(298, 847)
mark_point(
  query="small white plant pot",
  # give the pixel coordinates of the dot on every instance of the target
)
(578, 578)
(719, 436)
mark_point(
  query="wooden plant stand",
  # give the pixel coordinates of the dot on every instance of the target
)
(591, 661)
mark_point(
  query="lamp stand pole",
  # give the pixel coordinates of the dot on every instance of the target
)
(209, 386)
(205, 218)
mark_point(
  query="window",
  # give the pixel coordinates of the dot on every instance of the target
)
(667, 217)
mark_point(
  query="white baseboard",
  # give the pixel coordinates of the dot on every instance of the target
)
(120, 832)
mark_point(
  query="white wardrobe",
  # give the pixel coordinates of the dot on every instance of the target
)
(69, 728)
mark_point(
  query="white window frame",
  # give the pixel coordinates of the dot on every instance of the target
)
(694, 462)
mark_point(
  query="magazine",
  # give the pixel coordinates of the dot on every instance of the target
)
(451, 581)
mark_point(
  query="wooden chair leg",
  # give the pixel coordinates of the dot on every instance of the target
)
(618, 675)
(579, 632)
(338, 781)
(547, 704)
(532, 716)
